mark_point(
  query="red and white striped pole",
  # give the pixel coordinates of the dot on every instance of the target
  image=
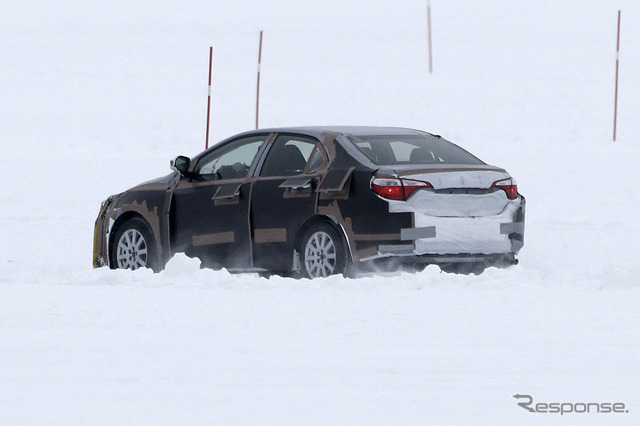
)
(258, 88)
(615, 108)
(429, 34)
(206, 144)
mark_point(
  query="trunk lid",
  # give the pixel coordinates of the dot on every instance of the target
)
(457, 191)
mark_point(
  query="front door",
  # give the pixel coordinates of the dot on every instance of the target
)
(211, 210)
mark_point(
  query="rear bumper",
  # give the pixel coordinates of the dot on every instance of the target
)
(435, 239)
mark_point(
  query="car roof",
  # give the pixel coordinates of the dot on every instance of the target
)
(319, 131)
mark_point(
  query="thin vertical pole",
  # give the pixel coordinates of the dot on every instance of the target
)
(615, 108)
(258, 88)
(429, 32)
(206, 144)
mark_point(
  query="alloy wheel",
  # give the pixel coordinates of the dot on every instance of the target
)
(320, 255)
(132, 250)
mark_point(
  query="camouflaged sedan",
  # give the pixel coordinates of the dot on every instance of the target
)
(318, 201)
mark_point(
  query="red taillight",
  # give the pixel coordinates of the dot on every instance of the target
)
(509, 186)
(388, 188)
(411, 185)
(396, 188)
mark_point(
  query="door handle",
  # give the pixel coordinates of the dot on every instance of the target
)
(297, 183)
(301, 187)
(228, 191)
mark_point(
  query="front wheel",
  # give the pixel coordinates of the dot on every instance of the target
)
(324, 252)
(133, 246)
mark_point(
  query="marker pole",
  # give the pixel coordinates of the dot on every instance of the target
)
(429, 34)
(615, 108)
(258, 88)
(206, 144)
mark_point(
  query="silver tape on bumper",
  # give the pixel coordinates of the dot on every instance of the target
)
(511, 227)
(417, 233)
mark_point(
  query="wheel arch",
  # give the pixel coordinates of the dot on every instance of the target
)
(316, 219)
(118, 223)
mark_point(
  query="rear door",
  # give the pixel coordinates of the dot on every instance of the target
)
(284, 196)
(211, 212)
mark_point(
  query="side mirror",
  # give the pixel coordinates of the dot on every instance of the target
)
(181, 164)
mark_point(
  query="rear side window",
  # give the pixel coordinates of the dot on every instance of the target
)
(288, 156)
(412, 149)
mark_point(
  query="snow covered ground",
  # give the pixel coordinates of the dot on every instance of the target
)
(96, 98)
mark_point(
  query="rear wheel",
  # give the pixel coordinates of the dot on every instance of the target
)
(133, 247)
(324, 252)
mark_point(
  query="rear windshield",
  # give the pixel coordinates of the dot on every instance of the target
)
(412, 149)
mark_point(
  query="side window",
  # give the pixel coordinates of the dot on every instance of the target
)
(231, 161)
(317, 159)
(288, 156)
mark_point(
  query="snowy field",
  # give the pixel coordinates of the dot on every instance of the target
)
(96, 98)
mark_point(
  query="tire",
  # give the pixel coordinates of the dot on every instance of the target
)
(324, 252)
(133, 247)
